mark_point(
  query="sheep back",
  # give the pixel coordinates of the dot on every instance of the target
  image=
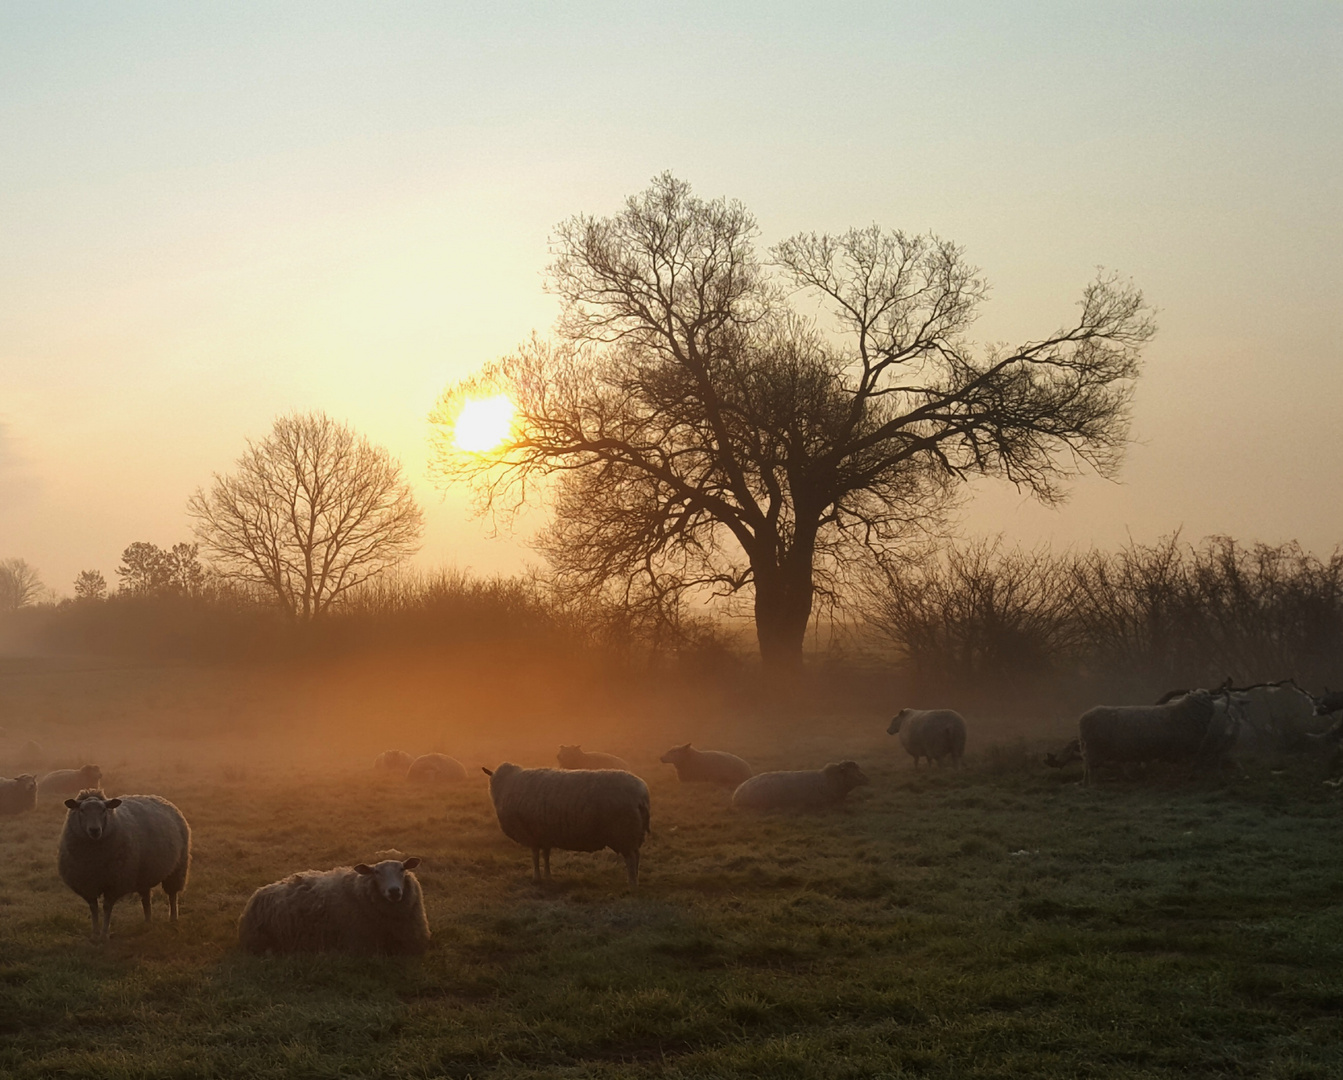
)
(336, 910)
(147, 844)
(804, 789)
(18, 794)
(931, 733)
(393, 761)
(707, 766)
(436, 769)
(574, 810)
(70, 781)
(575, 757)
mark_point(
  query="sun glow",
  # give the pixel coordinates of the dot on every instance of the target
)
(483, 424)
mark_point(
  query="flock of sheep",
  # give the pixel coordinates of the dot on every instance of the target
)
(114, 847)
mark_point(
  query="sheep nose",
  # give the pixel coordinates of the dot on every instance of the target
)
(94, 833)
(393, 894)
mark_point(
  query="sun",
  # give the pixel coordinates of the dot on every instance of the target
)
(483, 424)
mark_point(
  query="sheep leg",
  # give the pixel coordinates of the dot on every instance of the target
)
(107, 916)
(545, 853)
(93, 914)
(632, 867)
(536, 865)
(172, 907)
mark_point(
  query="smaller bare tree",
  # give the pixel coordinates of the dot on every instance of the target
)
(19, 585)
(90, 585)
(311, 511)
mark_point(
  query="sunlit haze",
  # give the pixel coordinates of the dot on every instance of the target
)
(483, 423)
(216, 215)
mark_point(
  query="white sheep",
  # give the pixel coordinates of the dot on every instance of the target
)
(805, 789)
(931, 733)
(573, 810)
(707, 766)
(114, 847)
(575, 757)
(393, 761)
(70, 781)
(436, 769)
(18, 794)
(357, 909)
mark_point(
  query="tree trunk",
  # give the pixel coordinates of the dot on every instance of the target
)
(783, 597)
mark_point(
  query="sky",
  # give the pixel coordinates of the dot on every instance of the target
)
(214, 214)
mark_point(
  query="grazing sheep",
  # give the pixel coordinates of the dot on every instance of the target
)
(1066, 754)
(357, 909)
(393, 761)
(1190, 729)
(436, 769)
(707, 766)
(930, 733)
(575, 810)
(70, 781)
(575, 757)
(18, 794)
(114, 847)
(807, 789)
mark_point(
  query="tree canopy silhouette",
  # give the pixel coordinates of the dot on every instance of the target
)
(311, 511)
(700, 430)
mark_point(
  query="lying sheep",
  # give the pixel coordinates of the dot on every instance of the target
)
(70, 781)
(1190, 729)
(357, 909)
(436, 769)
(930, 733)
(393, 761)
(577, 810)
(575, 757)
(18, 794)
(114, 847)
(707, 766)
(807, 789)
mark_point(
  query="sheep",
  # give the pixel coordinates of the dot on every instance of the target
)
(807, 789)
(356, 909)
(573, 810)
(393, 761)
(436, 769)
(70, 781)
(931, 733)
(575, 757)
(114, 847)
(707, 766)
(18, 794)
(1066, 754)
(1189, 729)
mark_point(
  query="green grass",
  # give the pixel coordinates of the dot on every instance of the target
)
(999, 921)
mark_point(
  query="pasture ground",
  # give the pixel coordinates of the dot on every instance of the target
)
(997, 921)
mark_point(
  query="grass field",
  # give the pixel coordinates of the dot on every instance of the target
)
(996, 921)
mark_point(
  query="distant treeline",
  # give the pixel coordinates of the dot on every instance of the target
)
(1120, 625)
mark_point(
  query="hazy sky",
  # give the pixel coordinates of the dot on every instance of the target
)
(212, 214)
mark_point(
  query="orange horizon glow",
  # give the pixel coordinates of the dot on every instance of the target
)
(484, 424)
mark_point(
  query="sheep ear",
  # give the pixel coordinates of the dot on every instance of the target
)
(72, 804)
(112, 804)
(410, 864)
(363, 868)
(487, 772)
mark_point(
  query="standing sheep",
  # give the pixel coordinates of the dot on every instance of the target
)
(19, 794)
(436, 769)
(1190, 729)
(707, 766)
(393, 761)
(358, 909)
(931, 733)
(70, 781)
(114, 847)
(575, 757)
(576, 810)
(807, 789)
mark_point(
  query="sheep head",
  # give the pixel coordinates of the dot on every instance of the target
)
(93, 814)
(389, 877)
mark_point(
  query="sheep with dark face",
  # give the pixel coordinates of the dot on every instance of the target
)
(930, 733)
(1192, 729)
(393, 761)
(805, 789)
(70, 781)
(575, 757)
(436, 769)
(707, 766)
(355, 909)
(114, 847)
(18, 794)
(573, 810)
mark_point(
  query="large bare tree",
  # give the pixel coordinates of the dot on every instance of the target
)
(716, 420)
(311, 510)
